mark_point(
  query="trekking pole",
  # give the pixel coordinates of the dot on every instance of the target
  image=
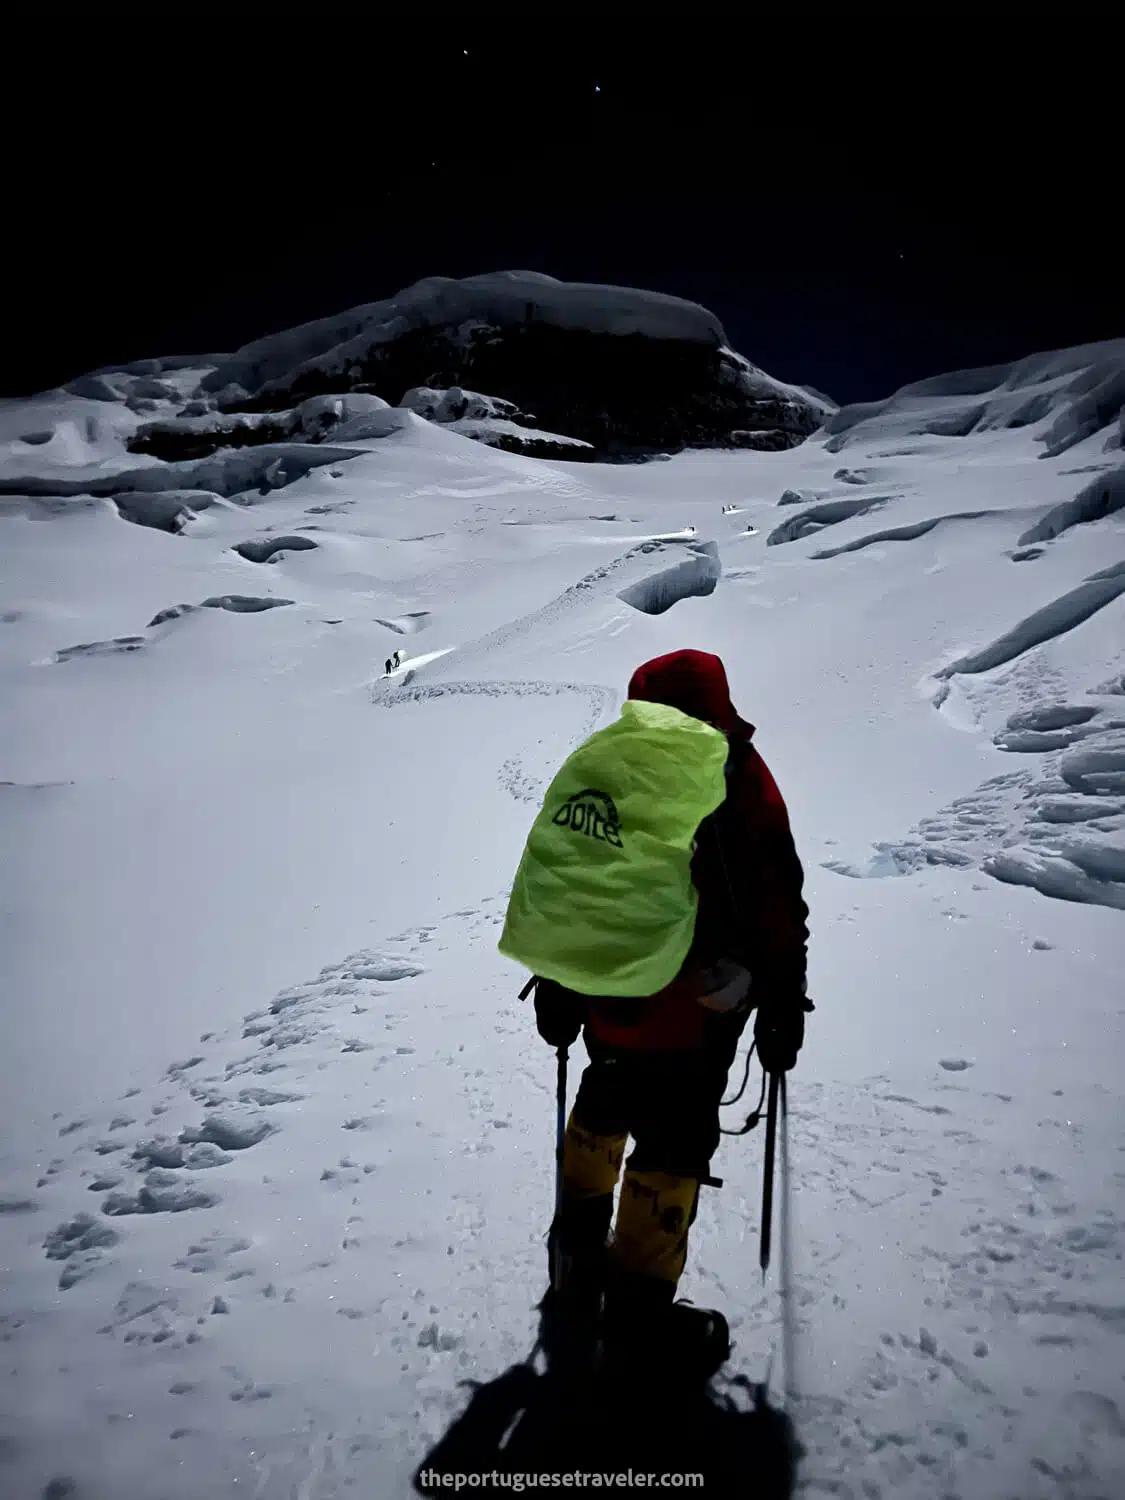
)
(788, 1330)
(776, 1082)
(560, 1132)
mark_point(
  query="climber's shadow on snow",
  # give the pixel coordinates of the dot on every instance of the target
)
(524, 1422)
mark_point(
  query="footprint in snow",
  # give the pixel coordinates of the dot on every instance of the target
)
(178, 1069)
(16, 1203)
(150, 1313)
(166, 1153)
(954, 1064)
(62, 1487)
(211, 1252)
(79, 1242)
(1095, 1412)
(929, 1109)
(431, 1337)
(252, 1393)
(387, 969)
(163, 1192)
(230, 1131)
(347, 1173)
(266, 1097)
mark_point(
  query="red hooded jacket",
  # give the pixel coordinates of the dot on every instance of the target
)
(745, 869)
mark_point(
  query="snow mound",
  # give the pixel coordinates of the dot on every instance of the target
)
(1096, 770)
(1101, 497)
(163, 510)
(1077, 869)
(119, 645)
(497, 298)
(1079, 391)
(1052, 727)
(909, 533)
(202, 433)
(168, 364)
(694, 578)
(380, 422)
(625, 370)
(491, 420)
(146, 385)
(94, 388)
(228, 473)
(238, 604)
(830, 514)
(320, 414)
(455, 404)
(1054, 619)
(532, 442)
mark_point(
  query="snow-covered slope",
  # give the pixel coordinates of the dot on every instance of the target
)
(277, 1135)
(623, 373)
(1069, 395)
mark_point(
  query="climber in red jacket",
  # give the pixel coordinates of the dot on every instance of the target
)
(658, 1064)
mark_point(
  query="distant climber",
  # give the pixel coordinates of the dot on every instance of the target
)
(658, 903)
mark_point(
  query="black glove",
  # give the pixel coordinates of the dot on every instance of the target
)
(779, 1030)
(558, 1014)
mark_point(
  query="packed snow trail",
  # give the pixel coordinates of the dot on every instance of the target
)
(193, 1238)
(337, 1209)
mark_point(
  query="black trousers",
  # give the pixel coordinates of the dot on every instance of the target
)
(667, 1100)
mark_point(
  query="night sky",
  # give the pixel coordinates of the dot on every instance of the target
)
(860, 208)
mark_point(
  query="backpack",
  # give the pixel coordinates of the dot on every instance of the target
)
(603, 900)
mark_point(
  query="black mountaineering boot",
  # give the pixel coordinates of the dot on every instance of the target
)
(571, 1309)
(646, 1332)
(699, 1341)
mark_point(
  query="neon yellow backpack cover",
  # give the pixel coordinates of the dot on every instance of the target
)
(603, 900)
